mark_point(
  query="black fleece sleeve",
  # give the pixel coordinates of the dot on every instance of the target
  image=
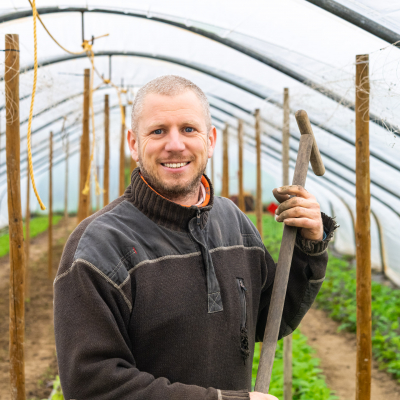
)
(95, 356)
(307, 273)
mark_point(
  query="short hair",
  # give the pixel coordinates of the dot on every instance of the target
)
(168, 85)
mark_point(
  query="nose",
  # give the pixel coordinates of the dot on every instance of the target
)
(174, 141)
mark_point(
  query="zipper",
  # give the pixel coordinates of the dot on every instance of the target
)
(198, 216)
(242, 294)
(244, 338)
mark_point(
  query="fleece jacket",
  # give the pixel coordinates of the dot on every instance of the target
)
(154, 300)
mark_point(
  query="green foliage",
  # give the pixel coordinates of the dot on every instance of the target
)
(37, 225)
(56, 393)
(338, 297)
(308, 382)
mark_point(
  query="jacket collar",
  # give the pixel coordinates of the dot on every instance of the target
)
(161, 210)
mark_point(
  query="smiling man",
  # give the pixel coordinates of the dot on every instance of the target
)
(163, 293)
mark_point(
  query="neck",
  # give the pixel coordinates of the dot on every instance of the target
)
(188, 200)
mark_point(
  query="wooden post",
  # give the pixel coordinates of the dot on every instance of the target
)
(259, 210)
(287, 340)
(225, 163)
(106, 179)
(66, 184)
(285, 138)
(122, 156)
(27, 236)
(84, 199)
(50, 231)
(97, 195)
(212, 170)
(17, 252)
(240, 172)
(363, 237)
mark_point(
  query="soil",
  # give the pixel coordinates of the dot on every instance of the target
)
(337, 352)
(40, 355)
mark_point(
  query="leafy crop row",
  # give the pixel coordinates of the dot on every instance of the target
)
(308, 381)
(338, 297)
(37, 225)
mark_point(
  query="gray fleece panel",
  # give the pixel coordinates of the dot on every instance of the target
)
(123, 238)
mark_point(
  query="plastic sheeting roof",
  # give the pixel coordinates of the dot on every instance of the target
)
(242, 54)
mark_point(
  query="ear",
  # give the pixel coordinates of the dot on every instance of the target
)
(212, 141)
(133, 145)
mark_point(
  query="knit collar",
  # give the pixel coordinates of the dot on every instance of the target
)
(159, 209)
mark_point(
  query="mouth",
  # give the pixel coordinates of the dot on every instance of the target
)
(175, 166)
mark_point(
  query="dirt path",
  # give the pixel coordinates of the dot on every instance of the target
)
(40, 357)
(337, 352)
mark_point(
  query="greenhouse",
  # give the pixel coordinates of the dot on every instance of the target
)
(81, 66)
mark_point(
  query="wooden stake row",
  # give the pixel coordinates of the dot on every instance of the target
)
(19, 258)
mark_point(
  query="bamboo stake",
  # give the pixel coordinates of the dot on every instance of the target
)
(27, 237)
(225, 165)
(84, 199)
(50, 231)
(363, 237)
(287, 340)
(106, 183)
(66, 184)
(17, 253)
(259, 210)
(122, 157)
(240, 172)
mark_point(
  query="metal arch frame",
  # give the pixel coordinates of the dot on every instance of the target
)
(205, 70)
(324, 177)
(58, 139)
(297, 139)
(212, 36)
(357, 19)
(313, 122)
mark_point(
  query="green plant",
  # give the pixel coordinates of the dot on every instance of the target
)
(56, 393)
(338, 297)
(308, 382)
(37, 225)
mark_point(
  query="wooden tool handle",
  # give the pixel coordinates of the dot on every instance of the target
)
(281, 277)
(305, 128)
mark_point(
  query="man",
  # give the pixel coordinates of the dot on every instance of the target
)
(163, 293)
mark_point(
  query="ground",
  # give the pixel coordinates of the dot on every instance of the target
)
(40, 356)
(337, 351)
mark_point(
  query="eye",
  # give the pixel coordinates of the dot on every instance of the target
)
(189, 129)
(158, 131)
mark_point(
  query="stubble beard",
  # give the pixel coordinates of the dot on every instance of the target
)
(172, 191)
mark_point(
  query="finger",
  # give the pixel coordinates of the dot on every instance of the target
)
(299, 212)
(294, 190)
(306, 223)
(280, 197)
(296, 202)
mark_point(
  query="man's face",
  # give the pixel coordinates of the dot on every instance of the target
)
(172, 143)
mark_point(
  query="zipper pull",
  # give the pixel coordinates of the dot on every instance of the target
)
(198, 217)
(242, 286)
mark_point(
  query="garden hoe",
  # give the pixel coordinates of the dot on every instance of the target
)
(308, 151)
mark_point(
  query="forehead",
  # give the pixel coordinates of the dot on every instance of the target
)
(184, 104)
